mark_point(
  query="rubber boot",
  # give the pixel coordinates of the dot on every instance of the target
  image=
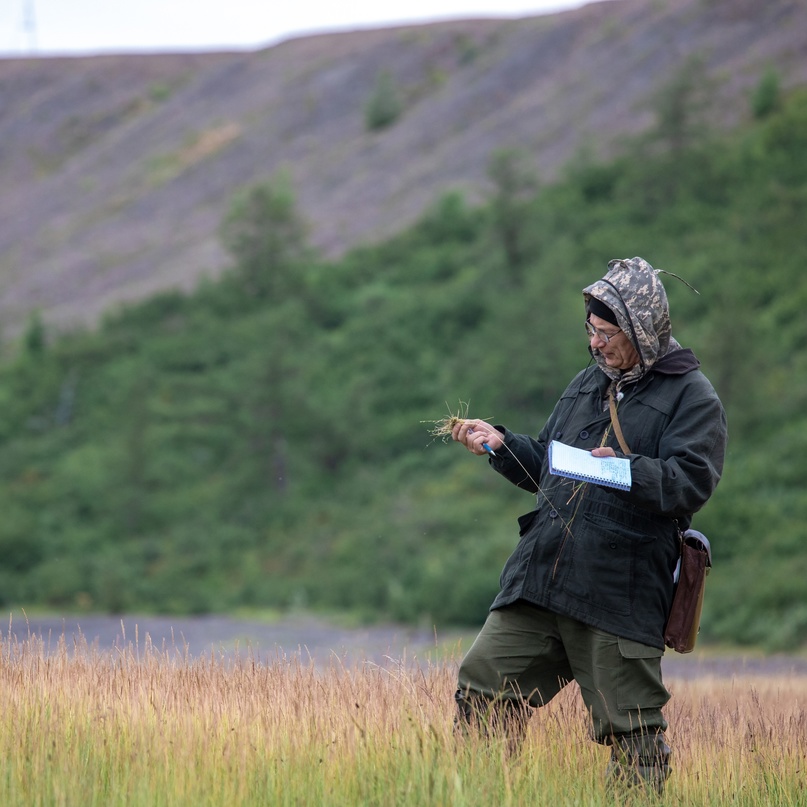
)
(640, 759)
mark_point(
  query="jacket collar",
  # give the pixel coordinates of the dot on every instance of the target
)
(676, 362)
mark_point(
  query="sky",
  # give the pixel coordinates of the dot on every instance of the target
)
(49, 27)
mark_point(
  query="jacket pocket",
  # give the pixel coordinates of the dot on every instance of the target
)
(525, 521)
(603, 564)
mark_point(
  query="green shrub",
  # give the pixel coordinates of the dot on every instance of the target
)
(766, 97)
(384, 106)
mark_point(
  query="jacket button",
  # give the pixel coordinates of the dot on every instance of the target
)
(612, 545)
(584, 434)
(553, 513)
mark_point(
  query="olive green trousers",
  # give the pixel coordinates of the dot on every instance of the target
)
(524, 655)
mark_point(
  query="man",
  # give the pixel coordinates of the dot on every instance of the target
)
(587, 591)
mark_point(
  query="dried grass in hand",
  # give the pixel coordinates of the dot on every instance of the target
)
(443, 428)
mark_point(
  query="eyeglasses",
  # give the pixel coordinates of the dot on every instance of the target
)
(591, 331)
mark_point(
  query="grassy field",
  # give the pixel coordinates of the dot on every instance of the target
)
(147, 727)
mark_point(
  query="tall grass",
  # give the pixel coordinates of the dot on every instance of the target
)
(143, 726)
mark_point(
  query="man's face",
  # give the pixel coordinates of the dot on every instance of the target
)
(618, 352)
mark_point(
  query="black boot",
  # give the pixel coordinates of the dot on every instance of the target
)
(640, 759)
(502, 718)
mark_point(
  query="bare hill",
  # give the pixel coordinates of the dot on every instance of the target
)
(116, 170)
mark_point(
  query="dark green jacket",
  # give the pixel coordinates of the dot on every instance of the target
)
(604, 556)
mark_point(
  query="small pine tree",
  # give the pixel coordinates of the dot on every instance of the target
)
(515, 186)
(267, 239)
(385, 105)
(766, 97)
(33, 339)
(681, 106)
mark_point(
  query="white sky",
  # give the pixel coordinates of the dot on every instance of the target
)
(42, 27)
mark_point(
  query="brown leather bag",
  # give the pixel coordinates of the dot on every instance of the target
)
(683, 623)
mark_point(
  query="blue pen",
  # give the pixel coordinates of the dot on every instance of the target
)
(485, 445)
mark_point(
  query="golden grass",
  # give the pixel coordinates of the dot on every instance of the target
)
(148, 727)
(443, 428)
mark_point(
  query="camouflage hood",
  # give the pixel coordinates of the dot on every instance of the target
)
(632, 290)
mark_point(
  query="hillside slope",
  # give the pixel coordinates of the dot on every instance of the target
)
(116, 171)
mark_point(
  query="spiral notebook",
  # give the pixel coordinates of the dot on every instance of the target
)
(580, 464)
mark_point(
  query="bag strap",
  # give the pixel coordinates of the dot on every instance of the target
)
(615, 420)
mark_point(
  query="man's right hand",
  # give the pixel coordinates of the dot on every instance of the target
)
(475, 434)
